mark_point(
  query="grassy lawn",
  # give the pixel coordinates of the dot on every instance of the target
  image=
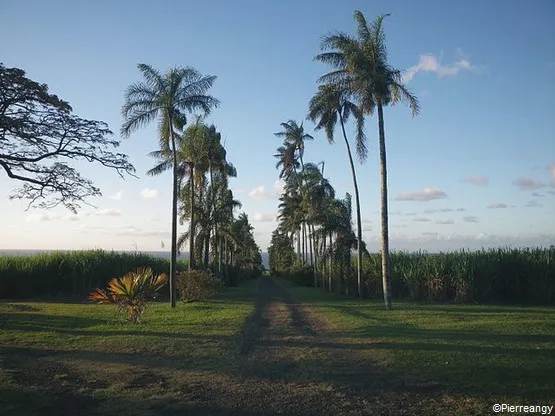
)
(269, 352)
(475, 352)
(61, 357)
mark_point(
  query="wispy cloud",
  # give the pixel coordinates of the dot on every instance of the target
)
(259, 193)
(476, 180)
(498, 206)
(551, 171)
(533, 204)
(445, 222)
(38, 217)
(538, 195)
(527, 184)
(421, 219)
(471, 218)
(149, 193)
(258, 217)
(70, 217)
(430, 63)
(109, 212)
(427, 194)
(118, 196)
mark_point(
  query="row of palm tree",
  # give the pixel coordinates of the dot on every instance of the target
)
(360, 83)
(200, 170)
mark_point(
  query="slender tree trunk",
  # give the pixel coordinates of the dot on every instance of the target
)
(192, 224)
(173, 256)
(323, 261)
(385, 228)
(311, 247)
(357, 202)
(311, 244)
(219, 244)
(303, 227)
(299, 244)
(331, 264)
(207, 247)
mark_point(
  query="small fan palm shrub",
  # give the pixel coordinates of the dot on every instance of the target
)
(131, 292)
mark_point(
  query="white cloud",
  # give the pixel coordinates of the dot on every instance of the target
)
(110, 212)
(538, 195)
(471, 219)
(431, 63)
(427, 194)
(118, 196)
(497, 206)
(259, 193)
(527, 184)
(445, 222)
(476, 180)
(70, 217)
(38, 217)
(279, 187)
(149, 193)
(258, 217)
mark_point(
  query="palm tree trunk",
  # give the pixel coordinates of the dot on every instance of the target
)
(303, 228)
(207, 246)
(323, 261)
(331, 264)
(385, 228)
(173, 256)
(192, 224)
(311, 246)
(299, 244)
(359, 221)
(311, 243)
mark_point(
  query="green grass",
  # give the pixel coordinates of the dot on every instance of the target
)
(58, 357)
(499, 351)
(67, 358)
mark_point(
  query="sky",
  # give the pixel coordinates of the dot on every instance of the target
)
(475, 169)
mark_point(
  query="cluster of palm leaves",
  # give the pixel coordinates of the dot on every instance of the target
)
(200, 171)
(131, 292)
(310, 217)
(360, 83)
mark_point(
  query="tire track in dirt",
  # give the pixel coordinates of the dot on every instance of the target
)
(300, 366)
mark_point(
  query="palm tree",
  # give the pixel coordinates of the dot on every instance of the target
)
(293, 135)
(361, 69)
(328, 105)
(167, 98)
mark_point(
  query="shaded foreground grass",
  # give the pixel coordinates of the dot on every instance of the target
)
(269, 348)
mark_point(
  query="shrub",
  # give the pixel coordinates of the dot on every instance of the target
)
(302, 275)
(131, 292)
(195, 285)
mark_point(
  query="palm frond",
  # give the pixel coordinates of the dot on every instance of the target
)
(153, 77)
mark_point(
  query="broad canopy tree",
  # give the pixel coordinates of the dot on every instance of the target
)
(39, 139)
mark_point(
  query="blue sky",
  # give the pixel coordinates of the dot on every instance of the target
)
(475, 168)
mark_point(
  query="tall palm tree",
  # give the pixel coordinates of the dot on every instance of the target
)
(293, 135)
(361, 68)
(329, 105)
(167, 98)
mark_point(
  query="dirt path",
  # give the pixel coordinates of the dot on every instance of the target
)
(293, 364)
